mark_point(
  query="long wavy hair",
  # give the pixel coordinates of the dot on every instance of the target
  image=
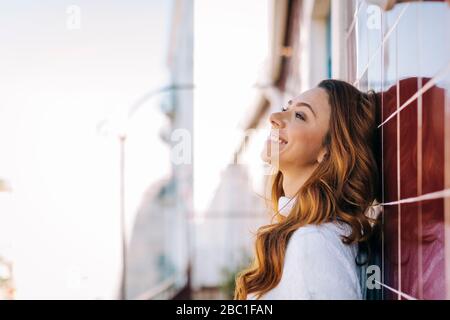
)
(343, 186)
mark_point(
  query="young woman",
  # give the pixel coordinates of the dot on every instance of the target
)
(322, 145)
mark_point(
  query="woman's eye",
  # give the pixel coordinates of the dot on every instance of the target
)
(299, 115)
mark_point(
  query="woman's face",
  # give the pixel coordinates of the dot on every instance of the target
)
(298, 131)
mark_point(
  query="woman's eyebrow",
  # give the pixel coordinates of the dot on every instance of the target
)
(303, 104)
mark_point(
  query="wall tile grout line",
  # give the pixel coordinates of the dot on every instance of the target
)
(441, 74)
(419, 161)
(399, 215)
(398, 292)
(382, 159)
(383, 41)
(419, 191)
(404, 262)
(394, 25)
(447, 185)
(398, 277)
(354, 19)
(427, 196)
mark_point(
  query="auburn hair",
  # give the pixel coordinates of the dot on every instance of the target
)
(343, 186)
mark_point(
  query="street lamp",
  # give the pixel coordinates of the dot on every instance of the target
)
(122, 137)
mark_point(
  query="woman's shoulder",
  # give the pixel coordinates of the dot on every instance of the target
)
(326, 265)
(324, 240)
(310, 235)
(322, 232)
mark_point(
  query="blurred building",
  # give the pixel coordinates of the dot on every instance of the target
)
(400, 49)
(223, 238)
(158, 260)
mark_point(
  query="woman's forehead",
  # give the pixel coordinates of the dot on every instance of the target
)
(316, 97)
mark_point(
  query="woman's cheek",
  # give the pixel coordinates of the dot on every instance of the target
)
(305, 146)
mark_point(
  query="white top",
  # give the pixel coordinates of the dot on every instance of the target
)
(317, 264)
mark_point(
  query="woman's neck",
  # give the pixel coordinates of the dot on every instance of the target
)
(293, 180)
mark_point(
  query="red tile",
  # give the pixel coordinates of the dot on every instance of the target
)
(433, 133)
(433, 249)
(390, 256)
(408, 140)
(409, 248)
(389, 105)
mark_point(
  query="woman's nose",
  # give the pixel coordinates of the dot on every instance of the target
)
(276, 120)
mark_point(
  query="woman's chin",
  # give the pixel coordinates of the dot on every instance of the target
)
(266, 153)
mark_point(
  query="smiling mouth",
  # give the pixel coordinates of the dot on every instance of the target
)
(277, 139)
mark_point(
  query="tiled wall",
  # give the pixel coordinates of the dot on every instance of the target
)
(404, 54)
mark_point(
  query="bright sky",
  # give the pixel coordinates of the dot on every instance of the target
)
(61, 223)
(231, 44)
